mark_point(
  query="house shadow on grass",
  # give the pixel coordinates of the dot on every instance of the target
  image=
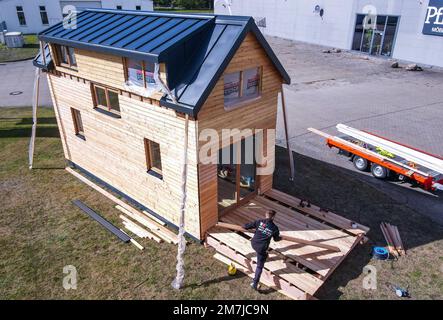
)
(46, 128)
(344, 192)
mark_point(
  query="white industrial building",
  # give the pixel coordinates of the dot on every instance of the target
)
(409, 30)
(32, 16)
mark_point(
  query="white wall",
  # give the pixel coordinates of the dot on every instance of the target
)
(294, 19)
(34, 24)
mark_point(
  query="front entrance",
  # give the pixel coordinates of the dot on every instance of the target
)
(236, 174)
(378, 37)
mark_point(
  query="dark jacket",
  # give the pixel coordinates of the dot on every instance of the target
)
(265, 230)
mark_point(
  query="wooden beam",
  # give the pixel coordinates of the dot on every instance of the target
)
(283, 237)
(285, 121)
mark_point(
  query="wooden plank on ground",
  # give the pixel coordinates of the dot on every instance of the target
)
(165, 233)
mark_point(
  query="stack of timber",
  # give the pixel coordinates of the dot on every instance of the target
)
(155, 228)
(392, 237)
(296, 270)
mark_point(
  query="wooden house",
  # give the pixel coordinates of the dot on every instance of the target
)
(130, 89)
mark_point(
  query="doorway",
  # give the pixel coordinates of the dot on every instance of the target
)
(236, 175)
(378, 38)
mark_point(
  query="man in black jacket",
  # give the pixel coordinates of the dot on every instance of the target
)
(265, 230)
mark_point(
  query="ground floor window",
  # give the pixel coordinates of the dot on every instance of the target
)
(153, 157)
(78, 123)
(375, 37)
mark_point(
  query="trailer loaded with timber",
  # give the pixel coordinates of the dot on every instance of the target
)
(387, 158)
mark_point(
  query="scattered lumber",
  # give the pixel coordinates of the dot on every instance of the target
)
(138, 230)
(123, 236)
(283, 237)
(158, 229)
(105, 223)
(393, 240)
(154, 218)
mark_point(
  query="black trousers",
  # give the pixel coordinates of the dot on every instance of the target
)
(261, 259)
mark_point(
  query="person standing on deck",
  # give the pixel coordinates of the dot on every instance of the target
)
(265, 230)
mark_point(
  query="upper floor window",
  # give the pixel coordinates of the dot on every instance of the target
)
(140, 73)
(242, 86)
(106, 99)
(118, 7)
(44, 15)
(138, 8)
(66, 56)
(21, 16)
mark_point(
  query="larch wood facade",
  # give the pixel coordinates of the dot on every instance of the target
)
(113, 148)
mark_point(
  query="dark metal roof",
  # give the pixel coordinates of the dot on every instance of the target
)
(46, 65)
(195, 48)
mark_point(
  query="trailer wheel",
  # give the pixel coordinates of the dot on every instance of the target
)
(360, 163)
(379, 171)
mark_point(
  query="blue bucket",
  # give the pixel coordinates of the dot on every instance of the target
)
(380, 253)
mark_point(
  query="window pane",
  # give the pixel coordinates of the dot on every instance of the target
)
(113, 101)
(381, 20)
(389, 36)
(155, 155)
(149, 74)
(21, 18)
(72, 56)
(101, 96)
(63, 54)
(138, 7)
(44, 17)
(232, 88)
(251, 83)
(135, 73)
(358, 33)
(78, 124)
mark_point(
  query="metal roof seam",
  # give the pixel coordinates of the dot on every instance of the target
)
(110, 27)
(94, 28)
(115, 30)
(145, 32)
(79, 24)
(161, 34)
(136, 30)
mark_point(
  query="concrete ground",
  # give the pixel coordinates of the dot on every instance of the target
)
(364, 93)
(19, 77)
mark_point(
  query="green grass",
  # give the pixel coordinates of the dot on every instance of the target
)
(41, 232)
(29, 50)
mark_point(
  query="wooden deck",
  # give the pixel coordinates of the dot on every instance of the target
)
(296, 270)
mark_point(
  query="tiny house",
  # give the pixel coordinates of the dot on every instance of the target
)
(123, 84)
(146, 101)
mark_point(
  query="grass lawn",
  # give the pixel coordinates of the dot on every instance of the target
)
(41, 232)
(29, 50)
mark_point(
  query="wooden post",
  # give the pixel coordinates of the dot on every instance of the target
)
(291, 157)
(34, 116)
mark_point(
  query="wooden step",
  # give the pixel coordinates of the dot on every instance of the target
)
(275, 262)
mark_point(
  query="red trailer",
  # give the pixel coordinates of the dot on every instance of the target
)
(385, 157)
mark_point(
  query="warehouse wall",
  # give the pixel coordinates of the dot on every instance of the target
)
(34, 24)
(296, 20)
